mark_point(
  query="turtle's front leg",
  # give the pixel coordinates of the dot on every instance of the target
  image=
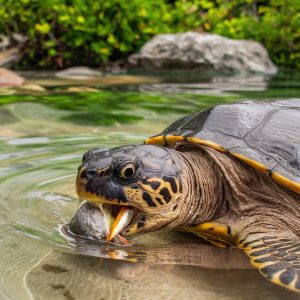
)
(276, 255)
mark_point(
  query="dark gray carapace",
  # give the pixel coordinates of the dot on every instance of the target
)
(265, 135)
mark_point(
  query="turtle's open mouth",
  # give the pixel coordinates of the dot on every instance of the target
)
(124, 220)
(100, 191)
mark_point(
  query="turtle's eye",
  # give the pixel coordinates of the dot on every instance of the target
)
(127, 171)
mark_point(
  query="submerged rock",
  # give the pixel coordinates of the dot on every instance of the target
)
(32, 88)
(92, 223)
(78, 89)
(10, 78)
(89, 222)
(209, 52)
(80, 73)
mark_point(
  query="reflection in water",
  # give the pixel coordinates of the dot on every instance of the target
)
(40, 148)
(214, 86)
(61, 276)
(173, 248)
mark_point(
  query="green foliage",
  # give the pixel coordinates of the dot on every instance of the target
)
(274, 23)
(89, 32)
(68, 32)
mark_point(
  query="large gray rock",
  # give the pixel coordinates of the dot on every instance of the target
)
(192, 50)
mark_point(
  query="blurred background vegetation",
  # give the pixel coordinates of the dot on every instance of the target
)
(63, 33)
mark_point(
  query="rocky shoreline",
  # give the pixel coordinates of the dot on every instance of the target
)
(189, 51)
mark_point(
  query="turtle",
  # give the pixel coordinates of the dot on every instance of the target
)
(229, 174)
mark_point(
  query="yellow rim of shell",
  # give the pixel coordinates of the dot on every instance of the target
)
(171, 139)
(156, 140)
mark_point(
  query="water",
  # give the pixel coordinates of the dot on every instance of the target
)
(42, 138)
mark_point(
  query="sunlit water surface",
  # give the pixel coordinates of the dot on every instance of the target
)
(42, 138)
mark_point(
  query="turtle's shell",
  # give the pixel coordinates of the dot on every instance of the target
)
(265, 135)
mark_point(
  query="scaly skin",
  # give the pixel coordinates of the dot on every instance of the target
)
(220, 188)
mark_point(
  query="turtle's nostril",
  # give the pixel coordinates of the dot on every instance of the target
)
(90, 174)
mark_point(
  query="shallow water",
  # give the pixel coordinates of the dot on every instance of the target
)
(42, 138)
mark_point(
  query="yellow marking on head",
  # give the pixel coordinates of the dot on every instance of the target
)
(147, 187)
(287, 183)
(160, 180)
(165, 184)
(134, 195)
(206, 143)
(155, 140)
(155, 193)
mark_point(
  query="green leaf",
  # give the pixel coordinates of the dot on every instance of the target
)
(80, 19)
(52, 52)
(43, 28)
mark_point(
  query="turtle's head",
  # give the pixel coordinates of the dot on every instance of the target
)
(143, 179)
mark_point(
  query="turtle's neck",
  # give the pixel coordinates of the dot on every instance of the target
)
(203, 188)
(217, 186)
